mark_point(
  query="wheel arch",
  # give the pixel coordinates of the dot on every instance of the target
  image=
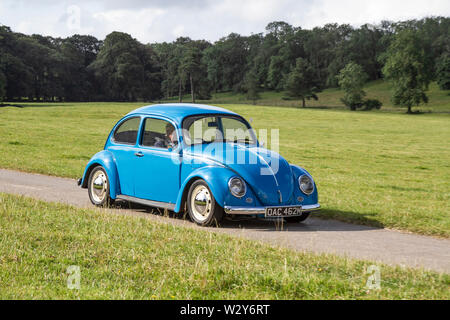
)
(105, 160)
(214, 178)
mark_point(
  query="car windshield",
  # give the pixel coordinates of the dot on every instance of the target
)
(217, 128)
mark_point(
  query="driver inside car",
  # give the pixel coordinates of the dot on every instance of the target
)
(170, 139)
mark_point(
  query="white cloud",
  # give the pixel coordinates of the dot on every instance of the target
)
(136, 22)
(367, 11)
(179, 31)
(159, 20)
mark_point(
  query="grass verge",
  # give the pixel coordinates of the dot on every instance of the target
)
(124, 257)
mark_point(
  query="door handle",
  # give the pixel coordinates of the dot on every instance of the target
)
(139, 154)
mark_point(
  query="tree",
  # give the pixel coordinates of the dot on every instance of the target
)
(279, 29)
(189, 67)
(408, 69)
(45, 65)
(82, 68)
(127, 69)
(251, 85)
(79, 52)
(2, 86)
(169, 56)
(228, 61)
(443, 72)
(351, 79)
(192, 68)
(277, 73)
(300, 83)
(362, 46)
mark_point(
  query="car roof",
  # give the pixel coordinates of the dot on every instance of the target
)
(179, 111)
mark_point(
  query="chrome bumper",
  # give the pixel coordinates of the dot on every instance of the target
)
(262, 210)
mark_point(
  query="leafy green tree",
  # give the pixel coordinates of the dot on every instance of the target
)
(407, 69)
(127, 69)
(45, 64)
(193, 68)
(351, 79)
(79, 52)
(19, 77)
(300, 83)
(321, 46)
(279, 29)
(190, 66)
(184, 66)
(362, 46)
(372, 104)
(251, 85)
(169, 56)
(277, 73)
(229, 62)
(213, 67)
(443, 72)
(2, 86)
(82, 68)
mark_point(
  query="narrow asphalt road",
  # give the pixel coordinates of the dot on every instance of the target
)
(315, 235)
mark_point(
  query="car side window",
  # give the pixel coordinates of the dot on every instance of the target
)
(159, 134)
(127, 131)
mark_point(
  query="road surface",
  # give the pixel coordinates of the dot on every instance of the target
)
(315, 235)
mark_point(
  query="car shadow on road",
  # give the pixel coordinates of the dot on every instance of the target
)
(326, 220)
(312, 224)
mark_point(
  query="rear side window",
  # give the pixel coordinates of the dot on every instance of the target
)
(127, 131)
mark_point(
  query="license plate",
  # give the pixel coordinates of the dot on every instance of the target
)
(283, 212)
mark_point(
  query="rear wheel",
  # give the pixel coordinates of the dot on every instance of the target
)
(298, 219)
(98, 187)
(202, 206)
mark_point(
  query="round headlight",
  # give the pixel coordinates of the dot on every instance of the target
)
(237, 187)
(306, 184)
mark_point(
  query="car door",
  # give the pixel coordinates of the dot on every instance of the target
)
(157, 165)
(123, 145)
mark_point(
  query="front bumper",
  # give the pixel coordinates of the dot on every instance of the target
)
(262, 210)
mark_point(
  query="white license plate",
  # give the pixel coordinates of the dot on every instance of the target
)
(283, 212)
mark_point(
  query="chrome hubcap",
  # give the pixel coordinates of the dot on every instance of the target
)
(99, 186)
(201, 203)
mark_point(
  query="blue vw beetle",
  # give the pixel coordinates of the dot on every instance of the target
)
(196, 158)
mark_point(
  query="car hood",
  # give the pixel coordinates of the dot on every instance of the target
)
(267, 173)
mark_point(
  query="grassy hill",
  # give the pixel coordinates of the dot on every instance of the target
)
(330, 98)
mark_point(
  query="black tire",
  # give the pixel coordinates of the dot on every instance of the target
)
(101, 197)
(207, 212)
(298, 219)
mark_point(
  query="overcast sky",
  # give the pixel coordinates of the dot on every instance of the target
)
(165, 20)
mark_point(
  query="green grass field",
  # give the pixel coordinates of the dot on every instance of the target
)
(381, 169)
(126, 257)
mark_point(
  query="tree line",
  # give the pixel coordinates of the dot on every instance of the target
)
(283, 58)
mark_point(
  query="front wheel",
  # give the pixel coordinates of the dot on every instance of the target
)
(298, 219)
(202, 206)
(98, 187)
